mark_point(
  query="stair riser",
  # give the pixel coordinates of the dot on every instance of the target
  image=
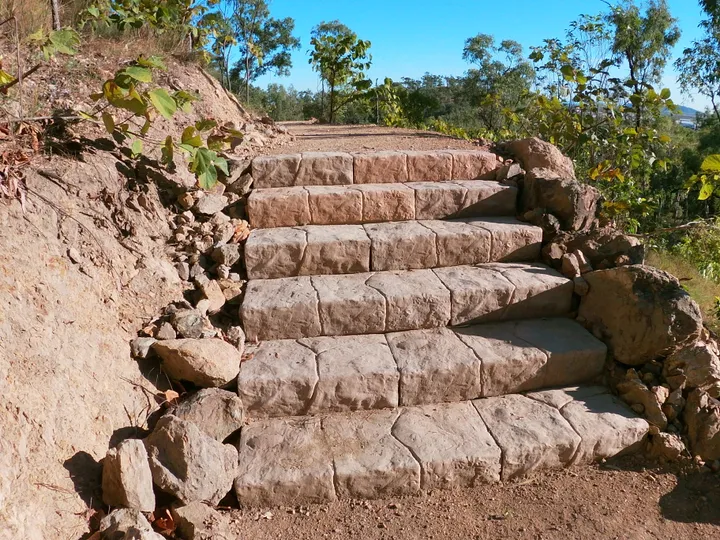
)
(339, 168)
(321, 375)
(401, 452)
(376, 203)
(347, 249)
(376, 303)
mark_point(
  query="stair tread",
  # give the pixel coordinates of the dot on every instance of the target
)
(374, 203)
(373, 454)
(395, 166)
(344, 249)
(347, 373)
(393, 301)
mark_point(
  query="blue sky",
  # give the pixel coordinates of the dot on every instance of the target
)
(412, 37)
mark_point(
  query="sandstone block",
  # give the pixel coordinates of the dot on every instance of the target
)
(280, 309)
(274, 253)
(403, 245)
(484, 198)
(355, 373)
(386, 202)
(438, 200)
(380, 167)
(512, 240)
(429, 166)
(348, 305)
(340, 249)
(530, 434)
(435, 366)
(284, 461)
(370, 462)
(452, 444)
(285, 207)
(335, 205)
(279, 379)
(275, 171)
(473, 165)
(325, 169)
(460, 243)
(414, 300)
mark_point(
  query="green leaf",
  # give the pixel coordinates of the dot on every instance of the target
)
(109, 122)
(163, 102)
(204, 168)
(168, 150)
(153, 62)
(221, 163)
(206, 124)
(65, 41)
(568, 72)
(136, 148)
(5, 78)
(706, 191)
(665, 93)
(191, 138)
(141, 74)
(711, 163)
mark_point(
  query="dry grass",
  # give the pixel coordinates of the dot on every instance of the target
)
(704, 291)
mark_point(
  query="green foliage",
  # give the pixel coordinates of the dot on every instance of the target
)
(708, 178)
(64, 41)
(341, 60)
(132, 93)
(702, 246)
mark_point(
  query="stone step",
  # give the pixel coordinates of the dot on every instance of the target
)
(381, 302)
(397, 452)
(341, 374)
(375, 203)
(404, 245)
(341, 168)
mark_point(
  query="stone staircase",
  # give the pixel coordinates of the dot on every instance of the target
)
(405, 337)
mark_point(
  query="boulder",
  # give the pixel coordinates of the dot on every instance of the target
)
(666, 447)
(702, 417)
(640, 312)
(695, 366)
(126, 477)
(187, 463)
(197, 521)
(204, 362)
(573, 203)
(216, 412)
(116, 525)
(540, 159)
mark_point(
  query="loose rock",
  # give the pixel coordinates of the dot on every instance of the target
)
(695, 366)
(189, 323)
(126, 478)
(214, 295)
(166, 331)
(634, 392)
(115, 525)
(197, 521)
(216, 412)
(570, 266)
(227, 254)
(189, 464)
(702, 416)
(211, 204)
(204, 362)
(666, 446)
(140, 347)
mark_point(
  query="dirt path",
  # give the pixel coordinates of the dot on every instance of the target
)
(620, 501)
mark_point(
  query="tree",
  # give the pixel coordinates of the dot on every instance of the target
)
(55, 7)
(264, 43)
(341, 60)
(699, 69)
(644, 42)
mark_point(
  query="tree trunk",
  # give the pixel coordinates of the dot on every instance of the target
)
(247, 79)
(55, 6)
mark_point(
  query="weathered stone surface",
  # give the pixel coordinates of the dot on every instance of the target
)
(574, 204)
(126, 477)
(459, 242)
(403, 245)
(284, 461)
(117, 524)
(606, 426)
(606, 246)
(530, 434)
(216, 412)
(204, 362)
(198, 521)
(570, 266)
(485, 198)
(509, 364)
(539, 291)
(280, 309)
(214, 295)
(512, 240)
(438, 200)
(275, 171)
(339, 249)
(189, 323)
(348, 305)
(414, 300)
(666, 446)
(285, 207)
(473, 165)
(211, 204)
(335, 205)
(634, 392)
(325, 169)
(697, 365)
(227, 254)
(430, 166)
(355, 373)
(386, 202)
(541, 159)
(133, 533)
(574, 355)
(452, 444)
(369, 462)
(477, 293)
(702, 417)
(189, 464)
(275, 253)
(435, 366)
(640, 312)
(279, 379)
(380, 168)
(140, 347)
